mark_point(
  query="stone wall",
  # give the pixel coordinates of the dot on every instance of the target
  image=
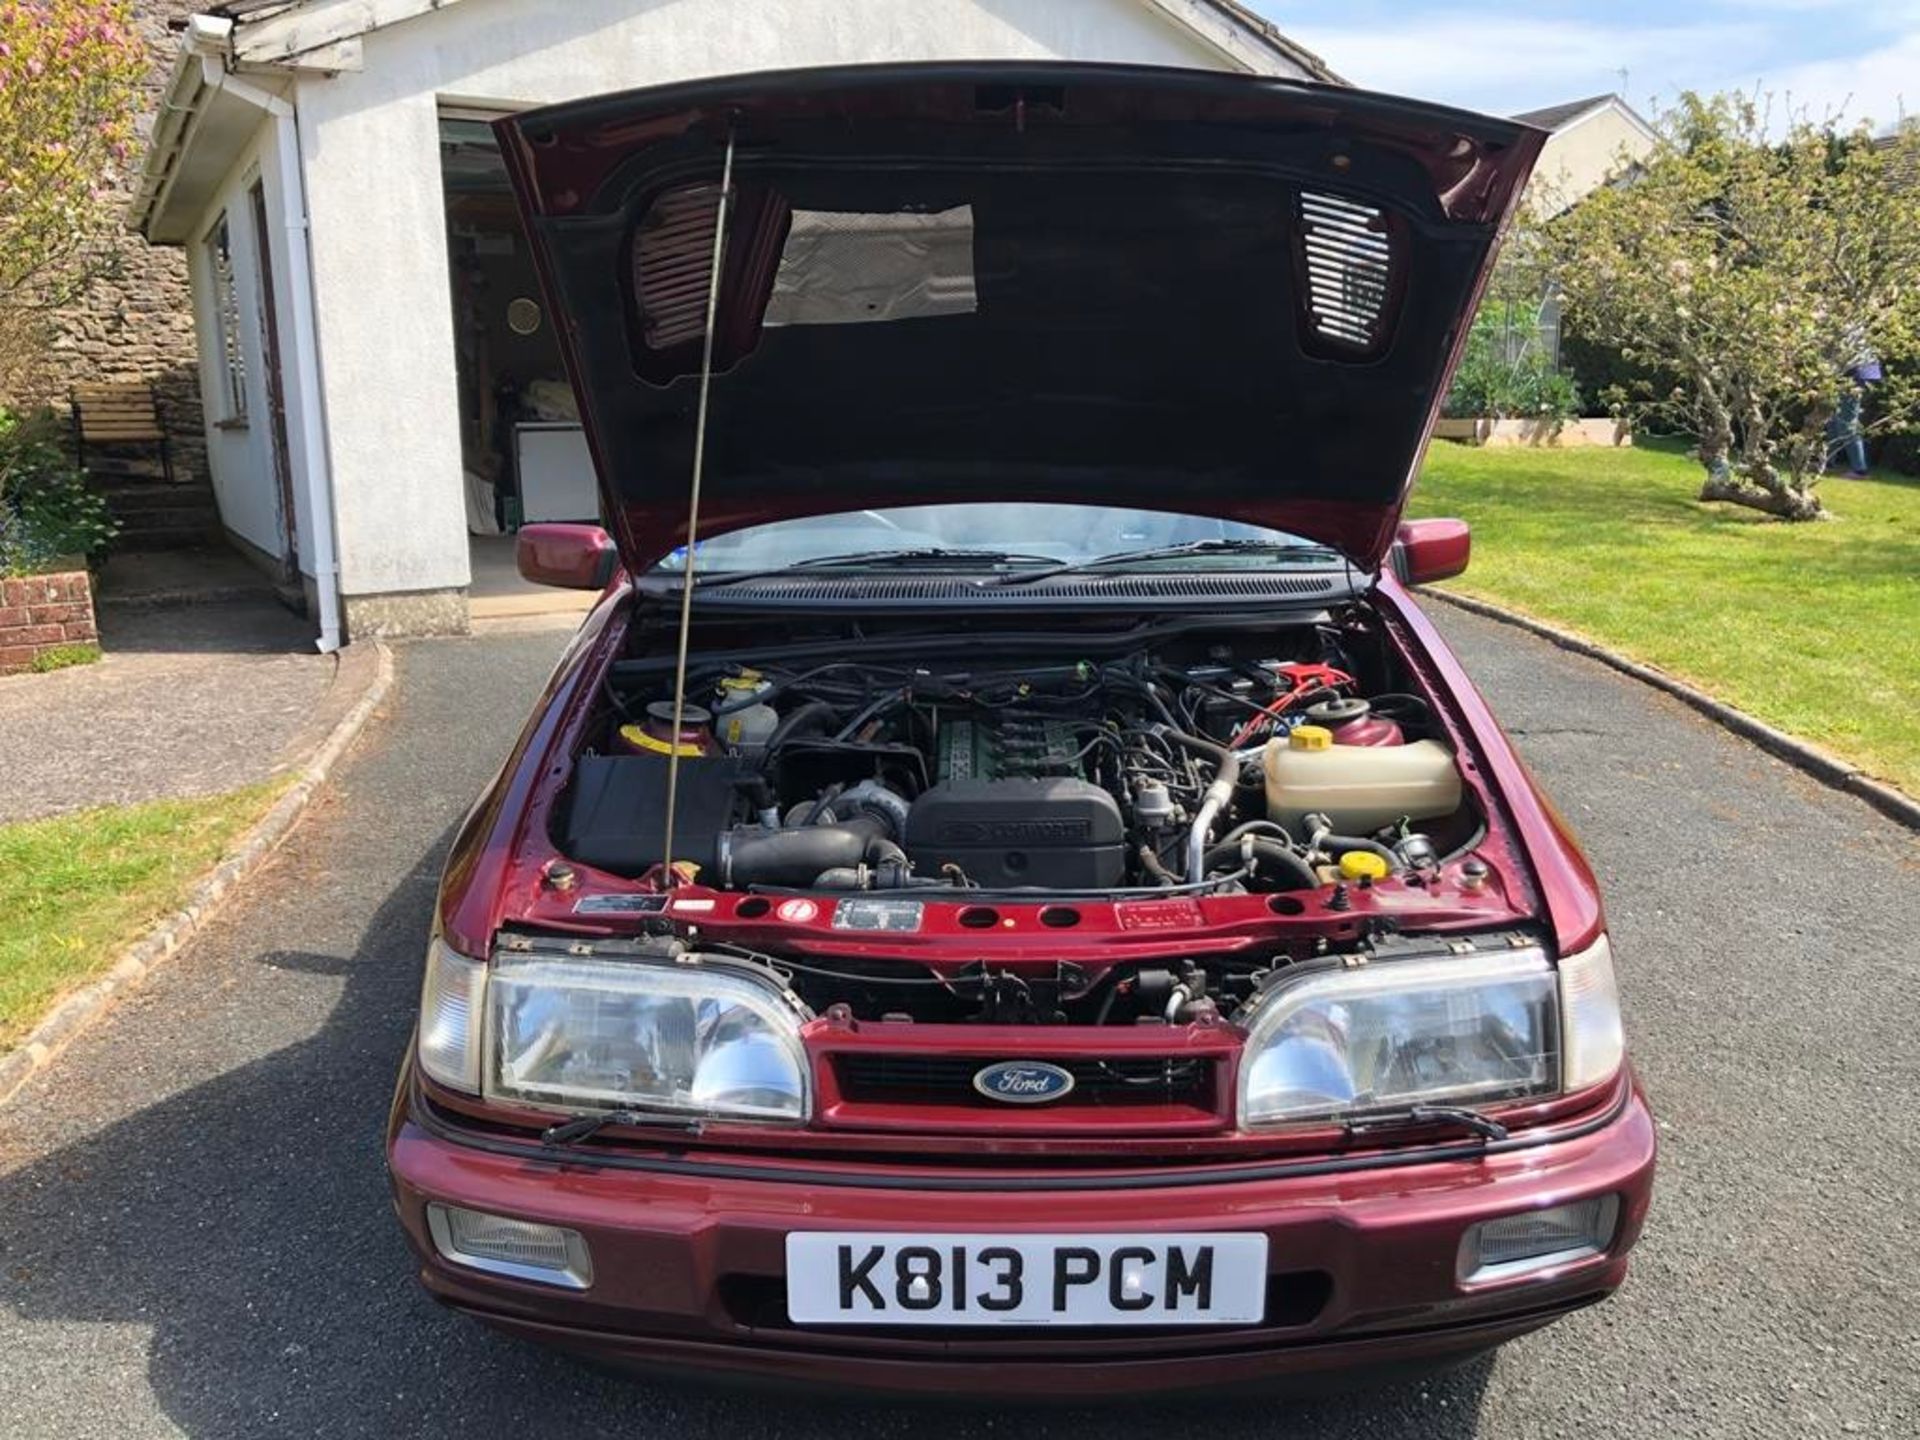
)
(137, 324)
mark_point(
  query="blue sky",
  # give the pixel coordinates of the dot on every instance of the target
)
(1857, 56)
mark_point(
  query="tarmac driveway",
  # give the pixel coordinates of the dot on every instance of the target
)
(195, 1238)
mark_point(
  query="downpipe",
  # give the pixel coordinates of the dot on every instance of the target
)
(1216, 799)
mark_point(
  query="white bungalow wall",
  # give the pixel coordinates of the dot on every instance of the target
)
(240, 456)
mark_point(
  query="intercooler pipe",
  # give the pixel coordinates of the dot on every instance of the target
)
(749, 856)
(1217, 797)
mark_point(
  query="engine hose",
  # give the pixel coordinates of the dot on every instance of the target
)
(1264, 827)
(749, 856)
(883, 874)
(1151, 863)
(1218, 796)
(815, 714)
(1334, 844)
(873, 711)
(1271, 854)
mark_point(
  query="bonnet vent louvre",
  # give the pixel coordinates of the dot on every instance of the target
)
(1349, 266)
(672, 263)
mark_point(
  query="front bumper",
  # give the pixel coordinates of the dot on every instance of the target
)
(688, 1269)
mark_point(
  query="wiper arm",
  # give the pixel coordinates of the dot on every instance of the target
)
(879, 559)
(1455, 1115)
(915, 553)
(572, 1132)
(1218, 545)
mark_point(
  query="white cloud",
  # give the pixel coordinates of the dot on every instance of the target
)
(1880, 85)
(1508, 63)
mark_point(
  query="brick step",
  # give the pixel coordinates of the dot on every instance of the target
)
(106, 472)
(167, 529)
(108, 481)
(193, 510)
(187, 507)
(155, 495)
(180, 537)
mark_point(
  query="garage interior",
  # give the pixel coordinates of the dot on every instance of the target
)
(522, 451)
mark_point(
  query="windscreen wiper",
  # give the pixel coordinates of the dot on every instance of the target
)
(1218, 545)
(879, 560)
(1456, 1115)
(572, 1132)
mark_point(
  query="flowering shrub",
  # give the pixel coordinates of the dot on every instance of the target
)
(1525, 387)
(47, 513)
(70, 73)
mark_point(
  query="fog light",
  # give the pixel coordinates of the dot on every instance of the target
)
(1538, 1240)
(516, 1248)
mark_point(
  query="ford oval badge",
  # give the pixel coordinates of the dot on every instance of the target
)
(1023, 1082)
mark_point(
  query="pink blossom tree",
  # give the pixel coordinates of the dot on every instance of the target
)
(70, 73)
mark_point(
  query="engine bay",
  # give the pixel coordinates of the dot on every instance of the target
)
(1287, 759)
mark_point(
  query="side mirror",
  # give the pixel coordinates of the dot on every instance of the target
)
(573, 557)
(1432, 550)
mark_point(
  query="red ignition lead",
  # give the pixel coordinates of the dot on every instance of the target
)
(1305, 680)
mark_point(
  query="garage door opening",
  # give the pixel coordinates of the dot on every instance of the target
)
(522, 449)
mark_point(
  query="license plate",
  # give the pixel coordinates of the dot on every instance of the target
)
(867, 1279)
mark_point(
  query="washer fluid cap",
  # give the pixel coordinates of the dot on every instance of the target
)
(1362, 865)
(1310, 737)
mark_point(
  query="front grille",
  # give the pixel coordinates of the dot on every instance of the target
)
(948, 1080)
(759, 1302)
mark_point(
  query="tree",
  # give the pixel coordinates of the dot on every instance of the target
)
(1754, 277)
(70, 73)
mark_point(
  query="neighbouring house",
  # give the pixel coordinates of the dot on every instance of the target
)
(1591, 142)
(380, 384)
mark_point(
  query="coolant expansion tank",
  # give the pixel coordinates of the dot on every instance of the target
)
(1360, 787)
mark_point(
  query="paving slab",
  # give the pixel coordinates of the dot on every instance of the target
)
(197, 576)
(499, 593)
(187, 700)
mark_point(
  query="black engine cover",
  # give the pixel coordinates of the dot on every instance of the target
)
(1058, 834)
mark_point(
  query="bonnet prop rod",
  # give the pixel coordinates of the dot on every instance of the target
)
(721, 213)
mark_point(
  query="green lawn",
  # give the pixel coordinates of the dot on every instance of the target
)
(1814, 628)
(77, 888)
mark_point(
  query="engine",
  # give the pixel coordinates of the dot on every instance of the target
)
(1186, 770)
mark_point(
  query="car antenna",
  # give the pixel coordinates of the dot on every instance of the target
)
(720, 214)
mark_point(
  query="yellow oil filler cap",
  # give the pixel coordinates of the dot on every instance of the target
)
(1361, 864)
(1310, 737)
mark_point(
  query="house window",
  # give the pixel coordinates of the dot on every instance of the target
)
(230, 357)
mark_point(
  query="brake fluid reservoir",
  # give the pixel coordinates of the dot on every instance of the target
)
(746, 727)
(1359, 787)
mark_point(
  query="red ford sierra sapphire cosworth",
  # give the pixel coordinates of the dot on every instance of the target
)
(1006, 890)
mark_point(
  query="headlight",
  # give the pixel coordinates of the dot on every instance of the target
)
(1460, 1030)
(599, 1035)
